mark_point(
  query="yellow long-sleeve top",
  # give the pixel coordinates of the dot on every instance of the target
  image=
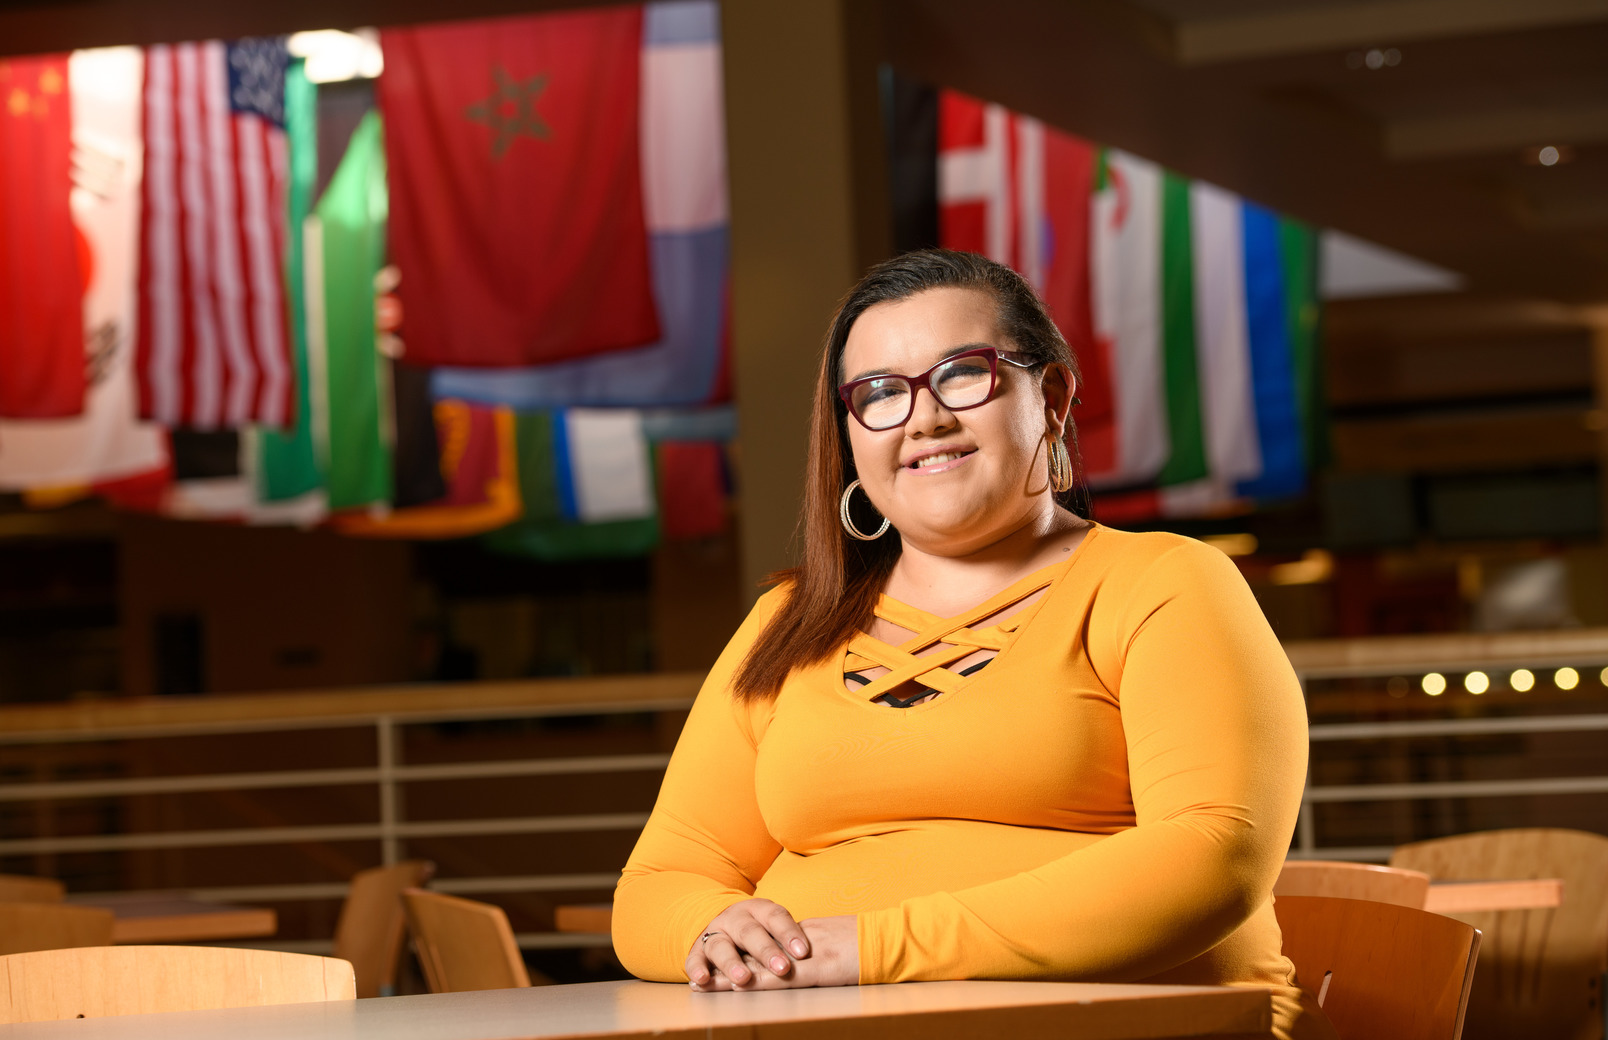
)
(1110, 799)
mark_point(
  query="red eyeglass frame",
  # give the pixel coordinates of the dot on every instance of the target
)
(994, 355)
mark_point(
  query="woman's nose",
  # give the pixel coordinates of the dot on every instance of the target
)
(927, 413)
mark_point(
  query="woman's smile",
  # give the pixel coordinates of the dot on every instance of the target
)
(940, 459)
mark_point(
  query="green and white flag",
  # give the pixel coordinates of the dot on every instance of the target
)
(345, 249)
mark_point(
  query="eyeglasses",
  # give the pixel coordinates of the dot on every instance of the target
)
(961, 381)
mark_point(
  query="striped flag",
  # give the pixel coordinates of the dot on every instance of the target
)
(1017, 191)
(1205, 391)
(213, 351)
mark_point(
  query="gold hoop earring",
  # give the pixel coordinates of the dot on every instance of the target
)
(1061, 477)
(848, 521)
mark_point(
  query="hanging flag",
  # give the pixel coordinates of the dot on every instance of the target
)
(1227, 404)
(692, 489)
(517, 217)
(1017, 191)
(64, 459)
(344, 253)
(1125, 279)
(480, 464)
(41, 282)
(1186, 460)
(287, 467)
(1298, 250)
(586, 483)
(212, 345)
(1278, 419)
(684, 190)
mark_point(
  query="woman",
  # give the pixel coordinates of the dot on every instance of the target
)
(973, 735)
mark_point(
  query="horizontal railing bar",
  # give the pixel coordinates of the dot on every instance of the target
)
(1457, 789)
(339, 832)
(1458, 665)
(536, 883)
(1455, 727)
(23, 792)
(534, 767)
(525, 825)
(337, 890)
(1355, 854)
(29, 792)
(351, 721)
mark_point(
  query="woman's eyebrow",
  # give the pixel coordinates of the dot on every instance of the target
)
(951, 352)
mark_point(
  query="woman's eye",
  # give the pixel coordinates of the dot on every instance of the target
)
(877, 392)
(962, 374)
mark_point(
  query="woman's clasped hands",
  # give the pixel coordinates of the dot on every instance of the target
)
(756, 944)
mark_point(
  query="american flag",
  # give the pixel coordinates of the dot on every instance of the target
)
(213, 349)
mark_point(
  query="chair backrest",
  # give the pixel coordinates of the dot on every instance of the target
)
(25, 927)
(1324, 877)
(1541, 970)
(370, 930)
(136, 980)
(463, 944)
(18, 888)
(1380, 970)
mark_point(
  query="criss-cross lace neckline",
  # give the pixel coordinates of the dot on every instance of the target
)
(938, 642)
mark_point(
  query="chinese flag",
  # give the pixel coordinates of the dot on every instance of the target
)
(516, 197)
(41, 284)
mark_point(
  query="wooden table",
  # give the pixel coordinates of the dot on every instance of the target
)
(1467, 897)
(161, 919)
(929, 1011)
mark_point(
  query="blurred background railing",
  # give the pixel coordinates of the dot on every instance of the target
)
(530, 794)
(1416, 737)
(526, 793)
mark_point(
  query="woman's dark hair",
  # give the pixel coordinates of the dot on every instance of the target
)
(834, 588)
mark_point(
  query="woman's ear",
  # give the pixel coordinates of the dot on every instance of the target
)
(1060, 389)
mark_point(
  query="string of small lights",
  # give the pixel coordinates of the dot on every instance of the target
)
(1477, 683)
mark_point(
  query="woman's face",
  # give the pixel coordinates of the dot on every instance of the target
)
(952, 482)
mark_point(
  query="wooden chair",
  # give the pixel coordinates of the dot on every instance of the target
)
(1323, 877)
(463, 944)
(136, 980)
(17, 888)
(25, 927)
(371, 926)
(1542, 970)
(1380, 970)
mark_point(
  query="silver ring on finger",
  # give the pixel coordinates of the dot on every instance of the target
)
(705, 936)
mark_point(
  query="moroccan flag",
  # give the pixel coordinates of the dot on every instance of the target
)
(516, 192)
(684, 193)
(1018, 192)
(213, 348)
(41, 285)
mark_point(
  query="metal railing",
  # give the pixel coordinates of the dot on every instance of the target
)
(387, 710)
(383, 710)
(1410, 656)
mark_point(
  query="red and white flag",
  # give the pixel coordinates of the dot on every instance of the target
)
(41, 285)
(213, 349)
(1019, 192)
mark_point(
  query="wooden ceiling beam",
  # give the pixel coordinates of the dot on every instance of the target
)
(1476, 133)
(1331, 27)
